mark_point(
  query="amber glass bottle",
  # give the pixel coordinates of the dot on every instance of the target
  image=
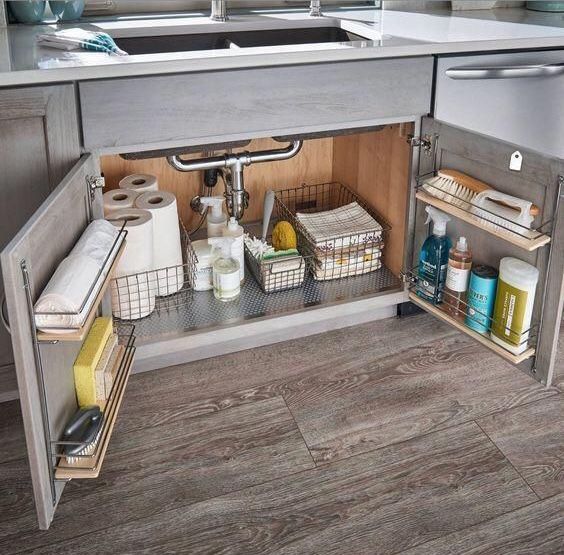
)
(458, 274)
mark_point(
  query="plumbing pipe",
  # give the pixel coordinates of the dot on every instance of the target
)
(235, 163)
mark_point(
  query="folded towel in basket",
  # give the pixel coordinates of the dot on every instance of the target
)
(77, 280)
(354, 264)
(342, 227)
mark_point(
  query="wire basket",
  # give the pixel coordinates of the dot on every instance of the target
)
(136, 296)
(339, 230)
(460, 310)
(280, 274)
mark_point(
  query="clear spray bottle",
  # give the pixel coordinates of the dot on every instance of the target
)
(225, 277)
(433, 258)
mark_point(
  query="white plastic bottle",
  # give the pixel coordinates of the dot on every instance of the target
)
(226, 282)
(216, 220)
(234, 230)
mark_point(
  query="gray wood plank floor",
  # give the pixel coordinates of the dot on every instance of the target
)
(345, 442)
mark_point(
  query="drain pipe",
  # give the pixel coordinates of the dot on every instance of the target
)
(235, 194)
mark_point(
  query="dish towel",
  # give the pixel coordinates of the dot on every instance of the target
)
(73, 39)
(344, 227)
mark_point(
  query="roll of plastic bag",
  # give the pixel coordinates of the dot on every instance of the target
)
(167, 248)
(134, 287)
(140, 182)
(66, 292)
(118, 199)
(66, 301)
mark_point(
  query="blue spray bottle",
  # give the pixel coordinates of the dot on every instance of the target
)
(433, 258)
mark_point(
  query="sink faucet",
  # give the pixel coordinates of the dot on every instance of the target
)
(315, 8)
(219, 10)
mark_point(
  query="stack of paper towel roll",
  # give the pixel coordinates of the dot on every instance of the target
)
(134, 289)
(167, 249)
(152, 264)
(130, 188)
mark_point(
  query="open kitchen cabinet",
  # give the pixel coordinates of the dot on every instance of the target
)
(384, 166)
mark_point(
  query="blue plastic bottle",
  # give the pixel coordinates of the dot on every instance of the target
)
(433, 258)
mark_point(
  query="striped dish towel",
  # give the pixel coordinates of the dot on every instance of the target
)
(346, 226)
(73, 39)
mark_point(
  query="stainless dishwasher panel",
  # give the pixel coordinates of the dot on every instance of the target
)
(518, 98)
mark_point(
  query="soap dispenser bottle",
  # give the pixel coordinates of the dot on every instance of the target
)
(216, 220)
(433, 258)
(457, 278)
(236, 231)
(225, 276)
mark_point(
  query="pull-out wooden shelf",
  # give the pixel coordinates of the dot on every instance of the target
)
(483, 339)
(528, 244)
(81, 333)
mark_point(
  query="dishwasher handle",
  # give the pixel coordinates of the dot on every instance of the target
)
(505, 72)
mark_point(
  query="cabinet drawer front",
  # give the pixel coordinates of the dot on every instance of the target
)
(204, 108)
(525, 107)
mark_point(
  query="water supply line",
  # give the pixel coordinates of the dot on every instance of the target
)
(237, 198)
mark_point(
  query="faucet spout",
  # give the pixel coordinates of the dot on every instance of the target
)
(315, 8)
(219, 10)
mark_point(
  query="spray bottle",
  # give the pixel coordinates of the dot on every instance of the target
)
(216, 220)
(433, 258)
(226, 280)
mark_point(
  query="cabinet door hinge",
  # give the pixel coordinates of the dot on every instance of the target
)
(94, 182)
(427, 142)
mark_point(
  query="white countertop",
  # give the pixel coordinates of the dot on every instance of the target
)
(391, 33)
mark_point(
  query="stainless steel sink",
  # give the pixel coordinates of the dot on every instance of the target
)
(234, 39)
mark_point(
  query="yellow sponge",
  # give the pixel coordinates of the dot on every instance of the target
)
(87, 360)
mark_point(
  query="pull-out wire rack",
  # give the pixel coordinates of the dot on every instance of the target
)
(521, 351)
(527, 238)
(89, 465)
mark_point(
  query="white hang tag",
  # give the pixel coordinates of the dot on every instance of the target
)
(516, 161)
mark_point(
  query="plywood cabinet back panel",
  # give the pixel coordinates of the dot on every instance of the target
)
(377, 165)
(312, 165)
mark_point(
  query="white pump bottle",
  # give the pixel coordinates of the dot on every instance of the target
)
(216, 220)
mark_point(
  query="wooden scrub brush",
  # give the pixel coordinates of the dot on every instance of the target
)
(491, 207)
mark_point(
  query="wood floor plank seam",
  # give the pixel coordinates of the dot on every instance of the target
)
(275, 388)
(133, 520)
(476, 525)
(429, 432)
(508, 460)
(299, 430)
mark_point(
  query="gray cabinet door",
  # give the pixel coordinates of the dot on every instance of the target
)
(540, 180)
(45, 370)
(39, 143)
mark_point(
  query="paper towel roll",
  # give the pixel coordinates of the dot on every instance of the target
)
(133, 290)
(140, 182)
(119, 198)
(167, 247)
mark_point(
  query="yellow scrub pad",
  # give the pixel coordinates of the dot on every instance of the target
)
(87, 360)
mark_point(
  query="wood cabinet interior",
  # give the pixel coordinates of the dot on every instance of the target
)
(375, 164)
